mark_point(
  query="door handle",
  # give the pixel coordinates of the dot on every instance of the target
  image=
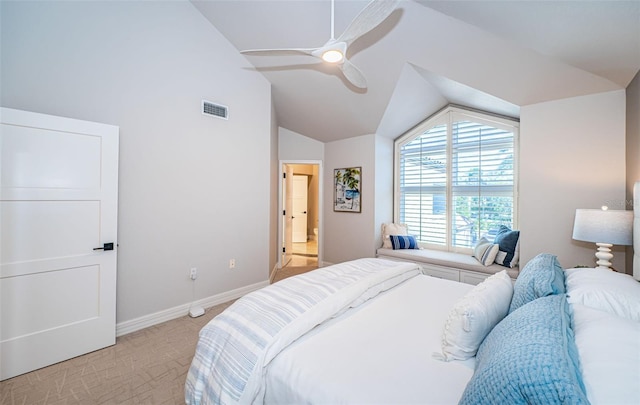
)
(105, 247)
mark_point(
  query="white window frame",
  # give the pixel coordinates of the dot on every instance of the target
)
(447, 116)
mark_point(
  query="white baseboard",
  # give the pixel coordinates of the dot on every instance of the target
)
(146, 321)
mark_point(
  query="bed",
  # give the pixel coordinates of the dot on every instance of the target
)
(373, 331)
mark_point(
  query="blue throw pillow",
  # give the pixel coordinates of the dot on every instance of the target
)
(529, 358)
(541, 276)
(507, 240)
(403, 242)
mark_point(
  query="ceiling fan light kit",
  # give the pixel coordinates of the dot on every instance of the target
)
(332, 56)
(331, 52)
(335, 50)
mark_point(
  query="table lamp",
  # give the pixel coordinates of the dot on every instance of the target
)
(605, 228)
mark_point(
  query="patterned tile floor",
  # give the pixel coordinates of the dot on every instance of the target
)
(304, 254)
(309, 248)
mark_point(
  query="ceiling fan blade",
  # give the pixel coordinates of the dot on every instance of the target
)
(370, 17)
(353, 74)
(281, 51)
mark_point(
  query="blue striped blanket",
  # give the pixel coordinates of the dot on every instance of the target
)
(235, 347)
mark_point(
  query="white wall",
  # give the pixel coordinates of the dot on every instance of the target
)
(572, 155)
(273, 184)
(384, 186)
(633, 150)
(350, 235)
(633, 135)
(294, 146)
(194, 190)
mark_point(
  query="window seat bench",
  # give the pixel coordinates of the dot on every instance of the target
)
(448, 265)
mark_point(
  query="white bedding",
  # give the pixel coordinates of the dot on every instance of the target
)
(382, 355)
(236, 347)
(609, 348)
(366, 332)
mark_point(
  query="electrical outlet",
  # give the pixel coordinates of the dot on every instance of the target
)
(193, 274)
(232, 263)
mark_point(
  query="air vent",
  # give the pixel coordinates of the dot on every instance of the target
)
(216, 110)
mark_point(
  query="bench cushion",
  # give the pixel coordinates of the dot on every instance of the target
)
(458, 261)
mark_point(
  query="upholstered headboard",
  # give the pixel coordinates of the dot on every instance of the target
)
(636, 231)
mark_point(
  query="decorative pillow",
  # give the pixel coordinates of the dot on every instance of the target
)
(392, 229)
(529, 358)
(606, 290)
(508, 241)
(485, 252)
(403, 242)
(609, 348)
(473, 317)
(540, 277)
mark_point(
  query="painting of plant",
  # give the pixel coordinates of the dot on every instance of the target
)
(347, 188)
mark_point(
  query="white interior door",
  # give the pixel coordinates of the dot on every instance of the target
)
(58, 202)
(300, 197)
(287, 218)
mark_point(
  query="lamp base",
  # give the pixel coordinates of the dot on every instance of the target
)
(604, 256)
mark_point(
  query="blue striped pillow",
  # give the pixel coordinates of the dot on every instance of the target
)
(403, 242)
(486, 251)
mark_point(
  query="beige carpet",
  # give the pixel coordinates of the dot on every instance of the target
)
(145, 367)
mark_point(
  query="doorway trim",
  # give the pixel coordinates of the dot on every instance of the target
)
(281, 169)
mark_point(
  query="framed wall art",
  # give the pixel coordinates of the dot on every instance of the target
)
(347, 189)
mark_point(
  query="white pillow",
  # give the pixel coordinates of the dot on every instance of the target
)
(609, 349)
(392, 229)
(606, 290)
(474, 315)
(486, 251)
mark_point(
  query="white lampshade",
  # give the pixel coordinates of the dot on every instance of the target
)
(603, 226)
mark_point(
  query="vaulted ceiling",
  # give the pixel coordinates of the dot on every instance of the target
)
(492, 55)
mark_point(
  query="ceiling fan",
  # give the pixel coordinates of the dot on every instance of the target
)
(335, 50)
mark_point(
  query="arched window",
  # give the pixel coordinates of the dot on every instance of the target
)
(456, 178)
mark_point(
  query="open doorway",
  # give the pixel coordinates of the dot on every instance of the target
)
(300, 227)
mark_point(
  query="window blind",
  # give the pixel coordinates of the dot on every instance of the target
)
(457, 181)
